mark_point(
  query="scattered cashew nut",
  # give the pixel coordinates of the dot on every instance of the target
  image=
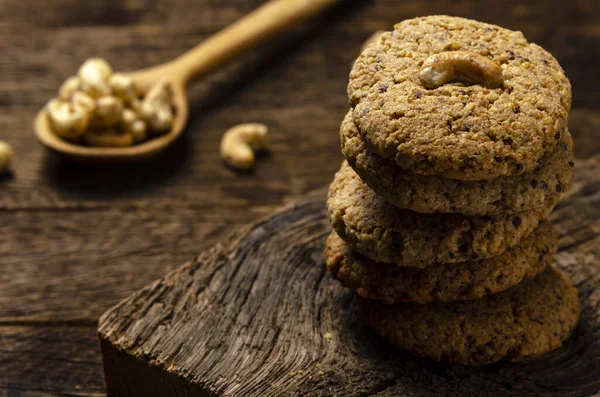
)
(94, 75)
(67, 120)
(460, 66)
(6, 155)
(240, 142)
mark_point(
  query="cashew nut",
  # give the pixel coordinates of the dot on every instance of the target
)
(108, 104)
(110, 138)
(66, 120)
(137, 130)
(68, 88)
(123, 87)
(134, 125)
(240, 142)
(136, 105)
(160, 121)
(460, 66)
(156, 109)
(94, 75)
(84, 101)
(6, 155)
(128, 117)
(109, 110)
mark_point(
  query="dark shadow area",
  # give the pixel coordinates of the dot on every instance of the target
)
(262, 155)
(573, 369)
(7, 175)
(106, 181)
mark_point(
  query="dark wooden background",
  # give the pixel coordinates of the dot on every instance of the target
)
(75, 240)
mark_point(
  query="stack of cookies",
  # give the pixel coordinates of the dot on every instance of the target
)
(457, 149)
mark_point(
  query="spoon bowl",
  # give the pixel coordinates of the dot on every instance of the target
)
(131, 154)
(243, 35)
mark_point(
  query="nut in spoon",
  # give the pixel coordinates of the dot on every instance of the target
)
(243, 35)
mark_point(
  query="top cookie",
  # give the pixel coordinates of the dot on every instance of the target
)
(502, 107)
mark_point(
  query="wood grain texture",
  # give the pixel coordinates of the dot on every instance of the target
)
(96, 256)
(64, 260)
(50, 360)
(257, 307)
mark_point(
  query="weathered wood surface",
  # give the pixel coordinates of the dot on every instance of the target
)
(50, 360)
(74, 241)
(256, 307)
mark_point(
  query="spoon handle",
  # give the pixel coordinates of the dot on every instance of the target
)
(244, 34)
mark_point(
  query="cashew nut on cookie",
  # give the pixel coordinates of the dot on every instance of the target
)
(460, 66)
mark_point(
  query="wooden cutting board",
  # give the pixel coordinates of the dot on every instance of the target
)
(258, 316)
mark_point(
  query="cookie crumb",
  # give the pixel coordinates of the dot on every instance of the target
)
(321, 373)
(299, 372)
(328, 336)
(292, 373)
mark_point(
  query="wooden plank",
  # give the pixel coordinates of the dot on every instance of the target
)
(50, 360)
(255, 308)
(70, 266)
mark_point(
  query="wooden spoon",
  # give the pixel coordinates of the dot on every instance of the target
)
(243, 35)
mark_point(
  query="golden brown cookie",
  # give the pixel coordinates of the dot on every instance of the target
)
(386, 233)
(459, 98)
(461, 281)
(534, 190)
(521, 323)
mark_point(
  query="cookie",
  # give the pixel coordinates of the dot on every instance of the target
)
(462, 281)
(533, 190)
(467, 100)
(386, 233)
(518, 324)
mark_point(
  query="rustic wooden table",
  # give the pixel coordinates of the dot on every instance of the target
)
(76, 240)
